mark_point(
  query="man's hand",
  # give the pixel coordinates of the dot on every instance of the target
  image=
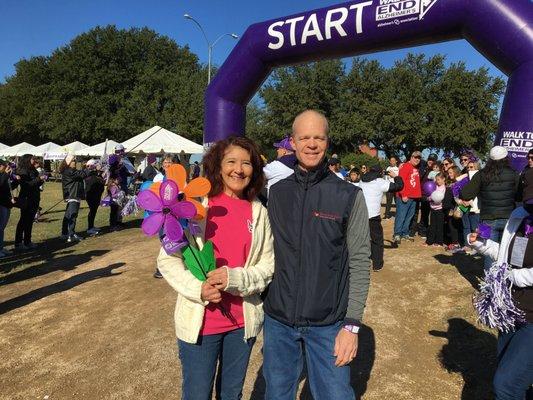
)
(472, 237)
(345, 347)
(392, 174)
(218, 278)
(210, 293)
(404, 199)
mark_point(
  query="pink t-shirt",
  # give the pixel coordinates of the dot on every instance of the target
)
(229, 227)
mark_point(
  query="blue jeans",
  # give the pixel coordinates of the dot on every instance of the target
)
(497, 226)
(283, 350)
(514, 373)
(470, 223)
(4, 217)
(199, 364)
(404, 215)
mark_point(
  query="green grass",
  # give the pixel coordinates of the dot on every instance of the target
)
(47, 233)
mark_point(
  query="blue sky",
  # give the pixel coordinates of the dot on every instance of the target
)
(37, 27)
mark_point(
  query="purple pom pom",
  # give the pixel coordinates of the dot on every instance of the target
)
(494, 301)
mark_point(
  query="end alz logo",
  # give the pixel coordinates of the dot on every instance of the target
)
(390, 9)
(425, 6)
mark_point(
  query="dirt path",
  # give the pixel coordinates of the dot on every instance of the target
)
(103, 329)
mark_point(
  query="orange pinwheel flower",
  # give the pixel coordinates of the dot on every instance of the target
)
(198, 187)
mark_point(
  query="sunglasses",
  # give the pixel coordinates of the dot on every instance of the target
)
(417, 157)
(464, 159)
(530, 157)
(471, 167)
(446, 163)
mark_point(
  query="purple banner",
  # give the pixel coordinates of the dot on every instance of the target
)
(502, 30)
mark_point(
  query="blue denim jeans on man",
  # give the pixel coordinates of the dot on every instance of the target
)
(199, 364)
(405, 212)
(283, 356)
(514, 374)
(497, 227)
(470, 224)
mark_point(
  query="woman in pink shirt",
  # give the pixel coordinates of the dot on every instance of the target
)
(217, 320)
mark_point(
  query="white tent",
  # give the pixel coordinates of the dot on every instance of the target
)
(73, 147)
(19, 150)
(98, 149)
(46, 148)
(159, 140)
(3, 146)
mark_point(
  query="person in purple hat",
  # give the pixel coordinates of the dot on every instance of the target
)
(283, 166)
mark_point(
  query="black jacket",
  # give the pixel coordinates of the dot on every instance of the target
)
(496, 199)
(149, 173)
(322, 247)
(73, 183)
(94, 187)
(29, 195)
(5, 191)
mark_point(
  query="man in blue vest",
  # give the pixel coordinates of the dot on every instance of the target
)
(316, 300)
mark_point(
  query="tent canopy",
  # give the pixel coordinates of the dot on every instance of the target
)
(3, 146)
(63, 151)
(45, 148)
(159, 140)
(98, 149)
(73, 147)
(19, 150)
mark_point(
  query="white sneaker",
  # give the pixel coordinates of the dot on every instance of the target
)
(92, 231)
(74, 238)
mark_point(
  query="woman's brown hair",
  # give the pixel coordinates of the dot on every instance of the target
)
(212, 163)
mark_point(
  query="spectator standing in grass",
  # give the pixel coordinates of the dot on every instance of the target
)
(94, 187)
(28, 200)
(73, 182)
(406, 198)
(392, 168)
(6, 202)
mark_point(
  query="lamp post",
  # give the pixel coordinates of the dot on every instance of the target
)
(209, 45)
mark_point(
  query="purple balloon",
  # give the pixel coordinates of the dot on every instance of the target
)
(484, 231)
(429, 187)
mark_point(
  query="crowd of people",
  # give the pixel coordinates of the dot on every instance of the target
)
(108, 182)
(294, 242)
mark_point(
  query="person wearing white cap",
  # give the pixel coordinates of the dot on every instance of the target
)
(72, 181)
(496, 187)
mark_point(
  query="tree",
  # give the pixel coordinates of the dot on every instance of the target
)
(106, 83)
(419, 103)
(291, 90)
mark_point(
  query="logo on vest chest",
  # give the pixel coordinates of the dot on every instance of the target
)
(326, 215)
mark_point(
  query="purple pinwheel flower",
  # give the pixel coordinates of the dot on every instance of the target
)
(165, 210)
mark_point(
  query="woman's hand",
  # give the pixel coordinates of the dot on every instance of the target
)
(210, 293)
(472, 238)
(218, 278)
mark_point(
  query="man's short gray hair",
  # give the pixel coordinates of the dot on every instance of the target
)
(311, 112)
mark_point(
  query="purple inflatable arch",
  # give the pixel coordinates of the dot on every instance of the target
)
(502, 30)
